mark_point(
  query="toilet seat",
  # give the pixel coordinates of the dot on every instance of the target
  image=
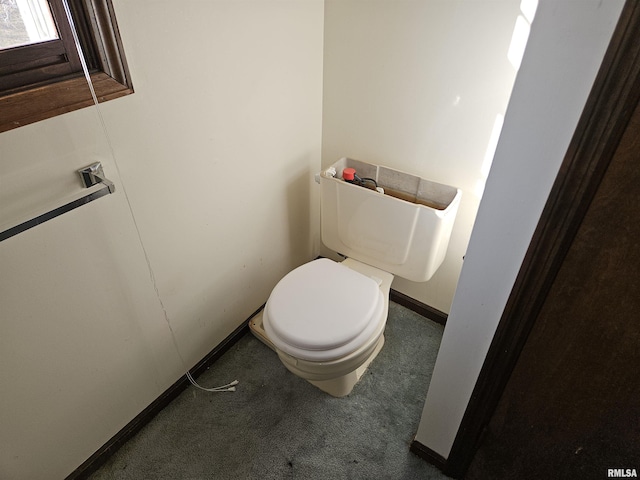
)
(323, 310)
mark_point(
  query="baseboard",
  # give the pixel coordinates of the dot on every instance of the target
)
(134, 426)
(418, 307)
(428, 455)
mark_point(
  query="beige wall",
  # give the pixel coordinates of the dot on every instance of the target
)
(416, 85)
(215, 151)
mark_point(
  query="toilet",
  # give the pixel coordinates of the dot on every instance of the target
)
(326, 319)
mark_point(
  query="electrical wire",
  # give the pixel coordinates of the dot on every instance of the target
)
(229, 387)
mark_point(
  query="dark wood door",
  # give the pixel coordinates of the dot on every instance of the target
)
(571, 408)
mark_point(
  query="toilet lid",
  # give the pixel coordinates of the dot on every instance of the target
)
(321, 305)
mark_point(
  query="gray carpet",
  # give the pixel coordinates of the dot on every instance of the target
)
(278, 426)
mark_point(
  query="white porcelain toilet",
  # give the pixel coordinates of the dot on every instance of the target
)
(326, 319)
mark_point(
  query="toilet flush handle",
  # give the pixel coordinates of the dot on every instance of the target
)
(329, 172)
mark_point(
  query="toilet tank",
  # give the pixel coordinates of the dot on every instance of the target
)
(404, 231)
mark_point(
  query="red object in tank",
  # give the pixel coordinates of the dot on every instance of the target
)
(348, 174)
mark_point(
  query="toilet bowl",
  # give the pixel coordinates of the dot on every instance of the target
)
(326, 321)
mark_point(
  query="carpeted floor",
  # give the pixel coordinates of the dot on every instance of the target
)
(278, 426)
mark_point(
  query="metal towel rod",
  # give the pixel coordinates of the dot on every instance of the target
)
(91, 175)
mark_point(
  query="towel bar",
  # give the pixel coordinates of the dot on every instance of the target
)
(91, 175)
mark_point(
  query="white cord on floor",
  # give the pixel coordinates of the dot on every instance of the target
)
(229, 387)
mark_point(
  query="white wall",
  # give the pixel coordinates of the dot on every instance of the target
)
(566, 46)
(416, 85)
(216, 151)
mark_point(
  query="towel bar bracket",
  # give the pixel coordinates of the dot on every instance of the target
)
(93, 174)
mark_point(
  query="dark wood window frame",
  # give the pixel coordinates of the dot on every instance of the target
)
(44, 80)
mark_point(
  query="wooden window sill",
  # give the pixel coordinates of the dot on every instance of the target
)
(47, 101)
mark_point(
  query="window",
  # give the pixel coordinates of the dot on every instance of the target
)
(26, 22)
(40, 69)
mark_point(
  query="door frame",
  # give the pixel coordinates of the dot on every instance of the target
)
(607, 112)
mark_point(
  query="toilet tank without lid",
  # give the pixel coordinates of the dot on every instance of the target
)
(404, 231)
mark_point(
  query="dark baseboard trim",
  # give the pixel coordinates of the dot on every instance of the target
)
(96, 460)
(428, 455)
(418, 307)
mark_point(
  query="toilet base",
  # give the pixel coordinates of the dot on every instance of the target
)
(336, 387)
(256, 327)
(342, 386)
